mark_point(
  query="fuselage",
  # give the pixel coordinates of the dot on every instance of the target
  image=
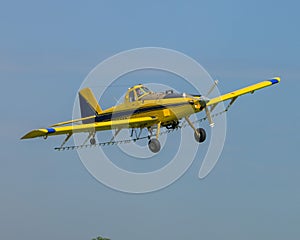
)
(168, 108)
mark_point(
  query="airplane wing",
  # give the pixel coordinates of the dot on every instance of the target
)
(242, 91)
(91, 127)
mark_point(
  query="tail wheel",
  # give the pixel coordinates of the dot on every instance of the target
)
(154, 145)
(93, 141)
(200, 135)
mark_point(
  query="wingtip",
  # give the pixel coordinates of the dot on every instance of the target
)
(25, 137)
(275, 80)
(35, 133)
(278, 79)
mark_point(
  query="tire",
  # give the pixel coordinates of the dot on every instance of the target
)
(93, 141)
(154, 145)
(201, 136)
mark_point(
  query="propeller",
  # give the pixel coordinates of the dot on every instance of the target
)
(212, 87)
(209, 118)
(204, 100)
(207, 111)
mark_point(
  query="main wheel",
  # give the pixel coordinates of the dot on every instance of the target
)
(93, 141)
(154, 145)
(201, 136)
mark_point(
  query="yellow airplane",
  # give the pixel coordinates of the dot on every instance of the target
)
(142, 109)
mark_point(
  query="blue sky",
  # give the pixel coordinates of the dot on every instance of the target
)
(48, 47)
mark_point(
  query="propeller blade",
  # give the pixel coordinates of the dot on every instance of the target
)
(209, 118)
(212, 87)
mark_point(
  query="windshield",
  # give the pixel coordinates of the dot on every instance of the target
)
(146, 90)
(137, 93)
(141, 91)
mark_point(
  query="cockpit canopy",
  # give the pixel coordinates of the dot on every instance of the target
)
(136, 93)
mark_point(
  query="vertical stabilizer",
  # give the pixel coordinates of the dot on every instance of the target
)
(88, 104)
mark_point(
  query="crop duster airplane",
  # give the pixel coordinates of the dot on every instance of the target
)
(141, 109)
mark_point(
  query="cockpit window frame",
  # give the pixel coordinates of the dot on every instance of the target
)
(142, 92)
(132, 95)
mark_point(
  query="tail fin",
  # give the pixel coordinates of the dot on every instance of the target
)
(88, 104)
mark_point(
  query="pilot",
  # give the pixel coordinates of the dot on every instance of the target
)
(139, 92)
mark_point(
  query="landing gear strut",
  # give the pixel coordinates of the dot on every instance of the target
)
(90, 137)
(199, 133)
